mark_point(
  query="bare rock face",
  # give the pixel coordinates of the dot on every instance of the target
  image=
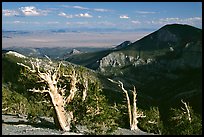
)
(139, 62)
(115, 59)
(75, 51)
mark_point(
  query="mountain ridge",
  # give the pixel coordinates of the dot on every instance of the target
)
(168, 60)
(158, 43)
(164, 74)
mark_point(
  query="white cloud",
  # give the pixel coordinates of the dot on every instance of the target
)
(8, 12)
(26, 11)
(79, 7)
(19, 22)
(29, 11)
(164, 21)
(75, 7)
(124, 17)
(32, 11)
(170, 20)
(52, 22)
(65, 15)
(146, 12)
(194, 19)
(136, 22)
(16, 22)
(102, 10)
(99, 16)
(85, 8)
(62, 14)
(85, 15)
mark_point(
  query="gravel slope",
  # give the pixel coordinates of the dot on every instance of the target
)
(19, 125)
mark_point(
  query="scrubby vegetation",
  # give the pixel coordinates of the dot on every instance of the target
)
(184, 121)
(95, 112)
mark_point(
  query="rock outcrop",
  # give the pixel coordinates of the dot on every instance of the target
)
(115, 59)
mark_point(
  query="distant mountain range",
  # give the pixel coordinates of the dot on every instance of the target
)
(78, 30)
(54, 53)
(168, 40)
(165, 65)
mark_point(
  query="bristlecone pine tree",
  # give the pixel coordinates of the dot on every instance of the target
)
(50, 77)
(184, 121)
(134, 114)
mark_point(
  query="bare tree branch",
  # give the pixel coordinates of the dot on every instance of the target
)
(134, 111)
(113, 81)
(39, 90)
(85, 84)
(32, 70)
(50, 77)
(152, 122)
(187, 110)
(128, 102)
(134, 114)
(48, 58)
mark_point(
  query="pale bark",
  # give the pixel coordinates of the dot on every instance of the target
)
(50, 77)
(128, 103)
(73, 88)
(134, 114)
(187, 110)
(85, 84)
(134, 111)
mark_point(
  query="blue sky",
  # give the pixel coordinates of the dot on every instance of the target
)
(119, 15)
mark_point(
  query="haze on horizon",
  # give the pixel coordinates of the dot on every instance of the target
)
(133, 19)
(71, 39)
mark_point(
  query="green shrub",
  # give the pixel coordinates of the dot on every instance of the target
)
(13, 102)
(94, 112)
(151, 123)
(180, 124)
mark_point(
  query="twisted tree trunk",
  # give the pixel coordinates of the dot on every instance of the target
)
(134, 114)
(50, 78)
(63, 118)
(134, 111)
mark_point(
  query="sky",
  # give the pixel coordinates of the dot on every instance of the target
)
(117, 15)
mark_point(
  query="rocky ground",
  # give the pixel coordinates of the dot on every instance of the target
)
(20, 125)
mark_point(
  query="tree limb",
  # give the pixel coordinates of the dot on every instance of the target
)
(187, 110)
(39, 90)
(85, 84)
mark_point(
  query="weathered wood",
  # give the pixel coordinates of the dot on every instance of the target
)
(134, 111)
(50, 77)
(187, 110)
(134, 114)
(128, 103)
